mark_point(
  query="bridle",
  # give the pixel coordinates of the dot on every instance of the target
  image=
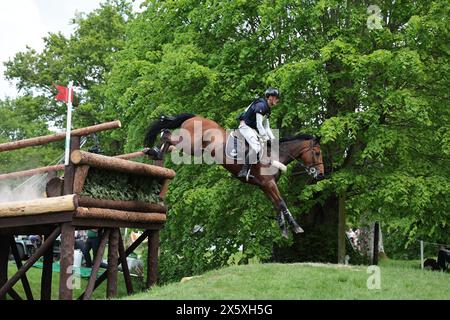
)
(311, 169)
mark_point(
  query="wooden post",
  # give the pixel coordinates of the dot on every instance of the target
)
(341, 229)
(54, 187)
(66, 261)
(376, 238)
(421, 254)
(47, 271)
(152, 259)
(111, 286)
(29, 263)
(68, 234)
(125, 270)
(129, 250)
(69, 171)
(97, 262)
(79, 179)
(13, 294)
(17, 259)
(4, 254)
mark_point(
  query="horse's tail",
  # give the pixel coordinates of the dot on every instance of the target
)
(164, 122)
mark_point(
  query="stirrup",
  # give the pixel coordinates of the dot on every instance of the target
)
(242, 174)
(246, 175)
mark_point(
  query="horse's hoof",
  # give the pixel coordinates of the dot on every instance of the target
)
(155, 153)
(298, 229)
(285, 233)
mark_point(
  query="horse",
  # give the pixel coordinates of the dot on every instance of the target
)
(197, 138)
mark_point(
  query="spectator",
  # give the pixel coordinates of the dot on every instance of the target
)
(443, 258)
(80, 239)
(35, 240)
(352, 236)
(92, 242)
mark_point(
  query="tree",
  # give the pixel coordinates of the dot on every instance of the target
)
(370, 82)
(84, 57)
(23, 118)
(371, 94)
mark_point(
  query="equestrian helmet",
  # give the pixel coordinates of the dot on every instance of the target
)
(272, 92)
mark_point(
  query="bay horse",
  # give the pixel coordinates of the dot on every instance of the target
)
(304, 147)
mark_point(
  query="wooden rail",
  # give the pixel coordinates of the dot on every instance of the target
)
(38, 206)
(120, 165)
(31, 172)
(139, 206)
(58, 136)
(119, 215)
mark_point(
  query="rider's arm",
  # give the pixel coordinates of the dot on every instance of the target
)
(259, 124)
(268, 130)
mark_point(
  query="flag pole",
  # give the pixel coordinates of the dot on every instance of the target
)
(69, 122)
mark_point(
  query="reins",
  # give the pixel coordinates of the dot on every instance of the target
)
(304, 149)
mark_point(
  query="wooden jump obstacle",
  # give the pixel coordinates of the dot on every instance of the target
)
(67, 209)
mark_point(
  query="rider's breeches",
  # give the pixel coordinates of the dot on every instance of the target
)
(252, 139)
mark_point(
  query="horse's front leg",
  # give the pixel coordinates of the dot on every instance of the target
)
(285, 212)
(274, 195)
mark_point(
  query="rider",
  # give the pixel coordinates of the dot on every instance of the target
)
(254, 121)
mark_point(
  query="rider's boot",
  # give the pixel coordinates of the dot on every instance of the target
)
(245, 170)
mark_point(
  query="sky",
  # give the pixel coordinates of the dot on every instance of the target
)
(26, 22)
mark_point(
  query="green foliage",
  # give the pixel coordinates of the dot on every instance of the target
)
(85, 57)
(378, 98)
(23, 118)
(206, 226)
(109, 185)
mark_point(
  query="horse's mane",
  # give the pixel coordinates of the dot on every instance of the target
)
(298, 137)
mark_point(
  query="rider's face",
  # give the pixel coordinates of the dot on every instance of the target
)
(273, 100)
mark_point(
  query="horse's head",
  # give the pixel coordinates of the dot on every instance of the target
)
(305, 148)
(311, 156)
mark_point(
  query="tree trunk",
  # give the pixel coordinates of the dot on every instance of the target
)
(319, 241)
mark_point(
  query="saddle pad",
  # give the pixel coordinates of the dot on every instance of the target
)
(235, 147)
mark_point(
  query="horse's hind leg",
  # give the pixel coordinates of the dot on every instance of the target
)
(167, 145)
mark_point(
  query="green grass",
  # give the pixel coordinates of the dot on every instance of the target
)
(399, 280)
(34, 278)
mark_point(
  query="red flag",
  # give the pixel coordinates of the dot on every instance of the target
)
(63, 93)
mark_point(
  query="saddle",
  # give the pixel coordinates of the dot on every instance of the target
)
(235, 147)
